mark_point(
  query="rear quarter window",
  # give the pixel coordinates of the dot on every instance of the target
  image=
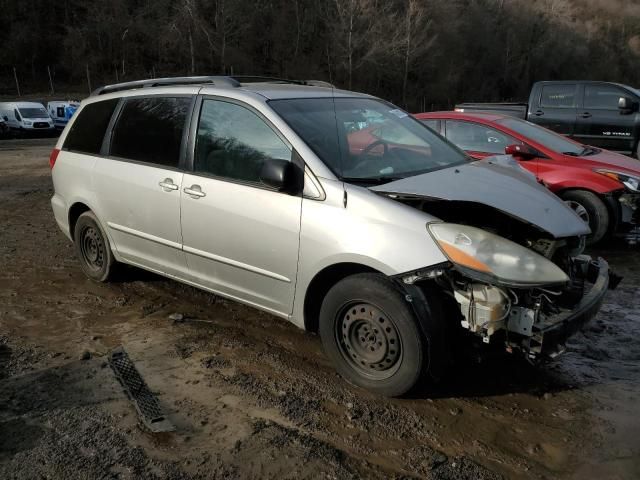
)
(87, 132)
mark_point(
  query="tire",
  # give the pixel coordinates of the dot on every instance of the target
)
(371, 335)
(592, 210)
(93, 248)
(638, 151)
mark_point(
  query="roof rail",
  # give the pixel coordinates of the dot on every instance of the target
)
(226, 81)
(161, 82)
(260, 79)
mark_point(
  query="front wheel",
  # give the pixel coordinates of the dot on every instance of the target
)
(591, 209)
(370, 333)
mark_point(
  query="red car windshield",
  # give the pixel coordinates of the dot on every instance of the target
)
(551, 140)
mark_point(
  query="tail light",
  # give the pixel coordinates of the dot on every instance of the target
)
(53, 157)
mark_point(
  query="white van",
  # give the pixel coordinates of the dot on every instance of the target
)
(61, 111)
(26, 116)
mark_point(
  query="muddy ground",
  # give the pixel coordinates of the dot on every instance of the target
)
(251, 396)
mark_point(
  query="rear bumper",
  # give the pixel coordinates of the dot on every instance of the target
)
(59, 207)
(554, 331)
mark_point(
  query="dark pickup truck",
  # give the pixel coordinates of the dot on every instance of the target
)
(600, 114)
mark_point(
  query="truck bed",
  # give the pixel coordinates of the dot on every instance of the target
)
(512, 109)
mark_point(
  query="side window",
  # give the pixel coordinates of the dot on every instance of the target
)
(432, 124)
(60, 112)
(559, 96)
(602, 97)
(475, 137)
(16, 114)
(87, 132)
(233, 142)
(150, 130)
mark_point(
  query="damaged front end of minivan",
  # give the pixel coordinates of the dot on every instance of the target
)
(517, 275)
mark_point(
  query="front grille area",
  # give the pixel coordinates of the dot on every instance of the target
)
(40, 125)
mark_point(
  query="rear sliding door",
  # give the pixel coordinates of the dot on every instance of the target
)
(138, 184)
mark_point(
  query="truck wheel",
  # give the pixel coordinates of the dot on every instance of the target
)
(591, 209)
(92, 248)
(371, 335)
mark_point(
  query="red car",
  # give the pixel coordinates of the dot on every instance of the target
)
(601, 186)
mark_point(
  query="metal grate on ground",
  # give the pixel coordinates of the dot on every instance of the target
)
(138, 392)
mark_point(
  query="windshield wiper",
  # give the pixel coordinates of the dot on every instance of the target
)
(370, 180)
(589, 151)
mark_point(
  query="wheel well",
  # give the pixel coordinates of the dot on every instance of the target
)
(321, 284)
(75, 211)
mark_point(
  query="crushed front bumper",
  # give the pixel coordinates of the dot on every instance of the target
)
(550, 333)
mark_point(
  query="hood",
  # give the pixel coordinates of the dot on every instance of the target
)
(497, 183)
(614, 161)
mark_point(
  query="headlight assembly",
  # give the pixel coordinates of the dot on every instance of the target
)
(630, 182)
(485, 256)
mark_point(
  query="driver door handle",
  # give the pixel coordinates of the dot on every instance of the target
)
(168, 185)
(586, 115)
(195, 191)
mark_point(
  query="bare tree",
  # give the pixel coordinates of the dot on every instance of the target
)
(358, 28)
(416, 39)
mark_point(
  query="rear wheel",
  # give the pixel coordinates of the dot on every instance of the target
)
(591, 209)
(370, 333)
(92, 248)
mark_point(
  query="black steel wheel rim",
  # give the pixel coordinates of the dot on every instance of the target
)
(368, 340)
(92, 248)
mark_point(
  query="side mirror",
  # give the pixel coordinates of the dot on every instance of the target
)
(522, 152)
(283, 176)
(6, 119)
(626, 105)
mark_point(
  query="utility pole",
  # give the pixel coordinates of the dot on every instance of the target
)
(15, 75)
(50, 80)
(88, 78)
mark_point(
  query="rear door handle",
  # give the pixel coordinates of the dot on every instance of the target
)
(195, 191)
(586, 115)
(168, 185)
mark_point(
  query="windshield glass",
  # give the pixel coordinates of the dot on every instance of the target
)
(549, 139)
(33, 112)
(367, 140)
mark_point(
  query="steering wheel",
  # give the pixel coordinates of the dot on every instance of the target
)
(371, 146)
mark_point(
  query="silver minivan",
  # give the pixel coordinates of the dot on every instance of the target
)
(334, 210)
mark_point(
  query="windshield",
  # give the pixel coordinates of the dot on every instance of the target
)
(549, 139)
(367, 140)
(33, 112)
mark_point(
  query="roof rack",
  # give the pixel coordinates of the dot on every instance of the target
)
(161, 82)
(225, 81)
(260, 79)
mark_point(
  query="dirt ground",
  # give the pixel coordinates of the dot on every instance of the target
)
(251, 396)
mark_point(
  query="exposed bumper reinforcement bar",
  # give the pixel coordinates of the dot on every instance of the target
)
(553, 331)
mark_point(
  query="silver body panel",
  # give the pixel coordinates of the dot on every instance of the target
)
(500, 185)
(258, 246)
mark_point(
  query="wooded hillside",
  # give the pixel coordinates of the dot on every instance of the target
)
(417, 53)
